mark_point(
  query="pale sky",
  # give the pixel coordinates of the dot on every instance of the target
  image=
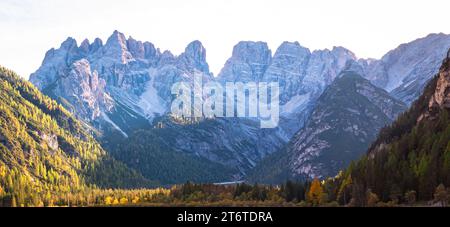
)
(368, 28)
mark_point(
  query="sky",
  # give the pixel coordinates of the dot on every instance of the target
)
(369, 28)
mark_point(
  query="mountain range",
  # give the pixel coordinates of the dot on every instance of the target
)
(123, 89)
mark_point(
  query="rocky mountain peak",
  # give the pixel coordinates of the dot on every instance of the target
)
(117, 38)
(195, 55)
(195, 50)
(291, 48)
(342, 55)
(441, 96)
(249, 62)
(69, 43)
(69, 50)
(116, 48)
(150, 51)
(84, 46)
(55, 62)
(136, 48)
(252, 52)
(406, 70)
(97, 44)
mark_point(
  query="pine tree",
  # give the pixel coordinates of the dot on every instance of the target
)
(344, 190)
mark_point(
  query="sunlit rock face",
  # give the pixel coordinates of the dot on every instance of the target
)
(124, 79)
(405, 70)
(440, 99)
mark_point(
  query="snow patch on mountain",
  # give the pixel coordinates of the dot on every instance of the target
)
(150, 102)
(295, 104)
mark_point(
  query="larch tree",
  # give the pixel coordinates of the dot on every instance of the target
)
(315, 193)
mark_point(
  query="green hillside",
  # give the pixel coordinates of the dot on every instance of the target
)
(45, 151)
(410, 160)
(148, 152)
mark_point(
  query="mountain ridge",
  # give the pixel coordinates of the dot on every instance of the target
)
(126, 87)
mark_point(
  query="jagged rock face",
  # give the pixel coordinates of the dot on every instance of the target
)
(66, 74)
(121, 80)
(440, 99)
(55, 64)
(195, 55)
(442, 95)
(122, 63)
(182, 69)
(87, 95)
(297, 70)
(248, 62)
(288, 67)
(115, 51)
(51, 141)
(136, 48)
(405, 70)
(302, 75)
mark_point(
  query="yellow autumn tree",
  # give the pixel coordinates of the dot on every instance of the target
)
(135, 200)
(108, 200)
(123, 200)
(315, 193)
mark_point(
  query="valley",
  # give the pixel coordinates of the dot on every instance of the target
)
(93, 127)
